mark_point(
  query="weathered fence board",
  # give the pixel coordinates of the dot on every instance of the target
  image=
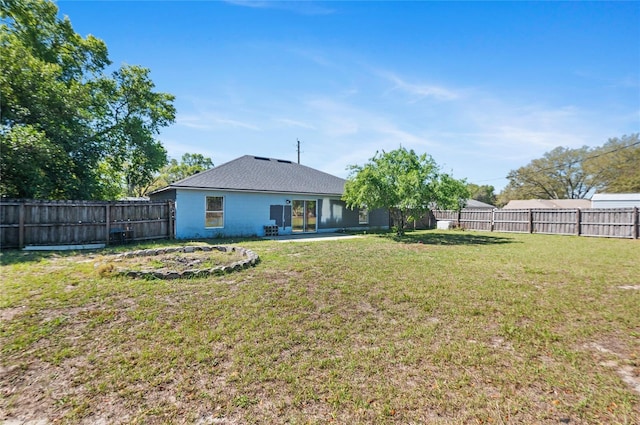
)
(555, 221)
(518, 221)
(603, 222)
(480, 219)
(28, 222)
(446, 215)
(611, 223)
(476, 218)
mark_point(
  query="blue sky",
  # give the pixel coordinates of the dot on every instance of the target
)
(482, 87)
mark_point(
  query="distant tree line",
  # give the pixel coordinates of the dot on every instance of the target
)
(188, 165)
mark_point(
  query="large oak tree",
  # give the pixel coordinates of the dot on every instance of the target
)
(92, 132)
(557, 175)
(565, 173)
(616, 165)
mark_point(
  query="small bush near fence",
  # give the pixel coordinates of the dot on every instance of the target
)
(603, 222)
(28, 222)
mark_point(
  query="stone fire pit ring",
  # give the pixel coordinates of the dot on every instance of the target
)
(249, 259)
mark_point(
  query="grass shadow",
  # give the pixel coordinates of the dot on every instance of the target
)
(17, 256)
(429, 237)
(451, 237)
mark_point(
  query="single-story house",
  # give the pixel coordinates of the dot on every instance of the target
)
(251, 195)
(530, 204)
(615, 200)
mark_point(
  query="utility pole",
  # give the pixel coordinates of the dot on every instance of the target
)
(298, 150)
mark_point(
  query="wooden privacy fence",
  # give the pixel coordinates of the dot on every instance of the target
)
(603, 222)
(37, 223)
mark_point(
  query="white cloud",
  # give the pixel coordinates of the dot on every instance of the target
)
(306, 7)
(294, 123)
(419, 90)
(192, 122)
(313, 56)
(530, 129)
(211, 121)
(479, 133)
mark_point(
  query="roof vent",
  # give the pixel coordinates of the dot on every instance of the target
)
(261, 158)
(284, 161)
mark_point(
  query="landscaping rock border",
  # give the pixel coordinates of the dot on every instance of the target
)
(250, 259)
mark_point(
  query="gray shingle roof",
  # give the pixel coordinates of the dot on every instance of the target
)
(259, 174)
(472, 203)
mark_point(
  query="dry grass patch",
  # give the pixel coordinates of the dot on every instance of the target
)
(180, 261)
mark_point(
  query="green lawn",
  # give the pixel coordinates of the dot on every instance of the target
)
(437, 327)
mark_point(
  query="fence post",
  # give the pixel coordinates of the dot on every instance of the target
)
(493, 220)
(21, 225)
(107, 216)
(171, 219)
(578, 220)
(636, 223)
(530, 221)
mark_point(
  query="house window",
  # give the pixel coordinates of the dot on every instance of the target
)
(363, 216)
(214, 214)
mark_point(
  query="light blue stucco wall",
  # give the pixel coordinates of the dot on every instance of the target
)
(245, 214)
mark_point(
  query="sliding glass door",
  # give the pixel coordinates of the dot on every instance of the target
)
(303, 216)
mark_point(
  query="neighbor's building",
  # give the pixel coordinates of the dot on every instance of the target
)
(530, 204)
(474, 204)
(251, 194)
(615, 200)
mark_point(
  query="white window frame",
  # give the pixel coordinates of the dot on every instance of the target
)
(206, 212)
(363, 213)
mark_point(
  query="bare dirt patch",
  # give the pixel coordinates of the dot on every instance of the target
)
(626, 365)
(7, 314)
